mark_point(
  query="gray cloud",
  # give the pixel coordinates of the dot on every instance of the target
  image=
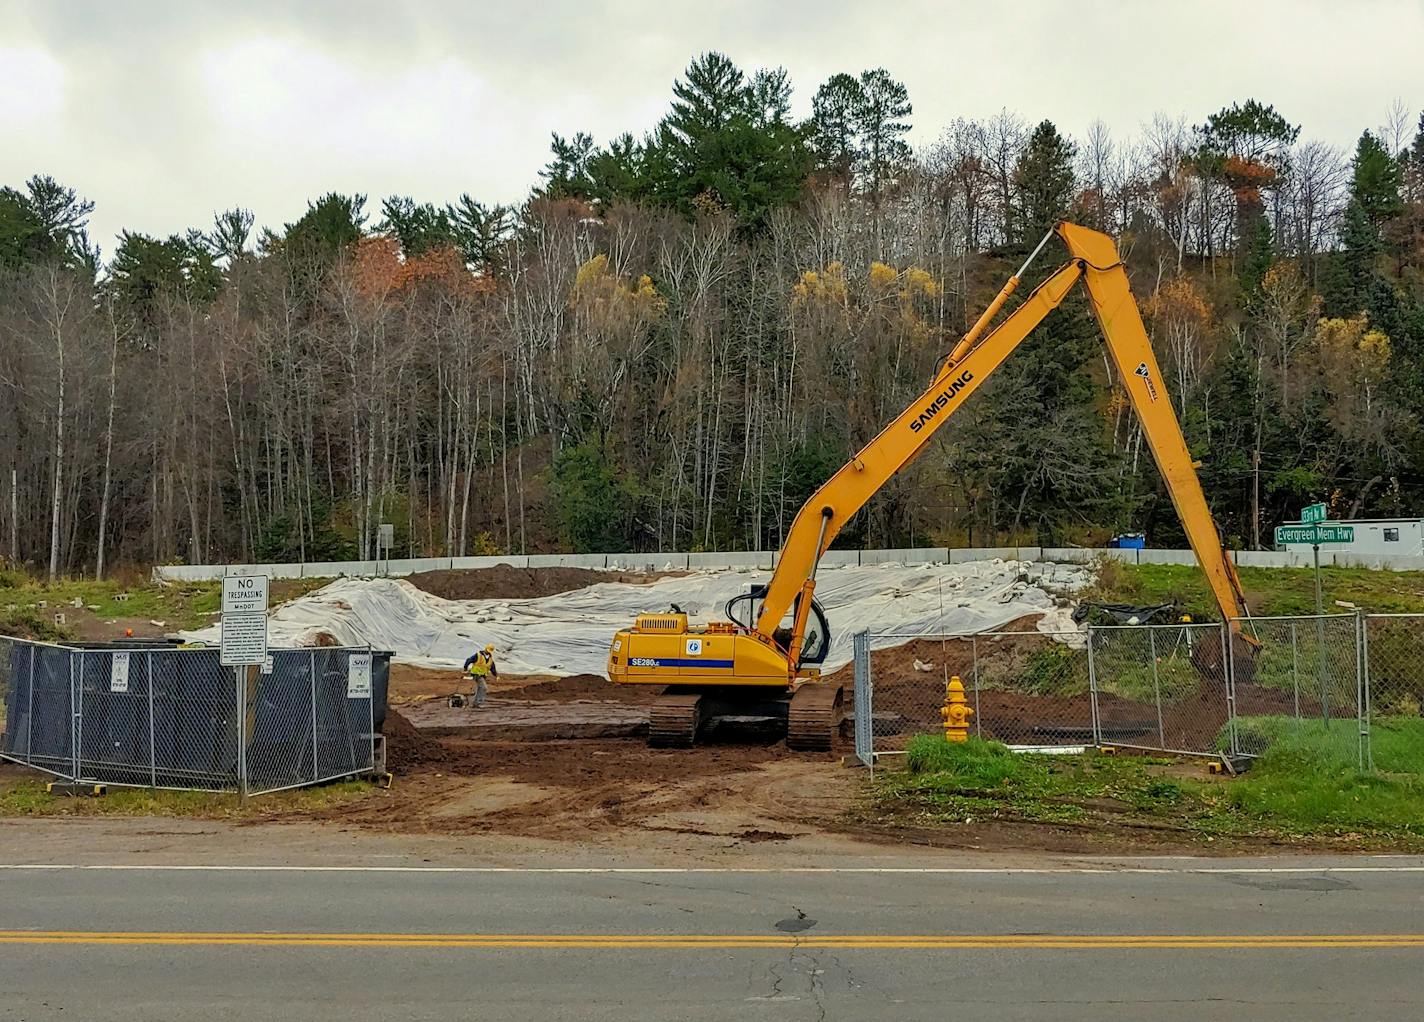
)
(165, 112)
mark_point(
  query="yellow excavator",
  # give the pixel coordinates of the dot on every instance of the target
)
(758, 664)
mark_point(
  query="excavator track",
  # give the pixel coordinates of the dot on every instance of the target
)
(673, 720)
(814, 717)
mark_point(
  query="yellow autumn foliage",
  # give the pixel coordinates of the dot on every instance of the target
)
(599, 290)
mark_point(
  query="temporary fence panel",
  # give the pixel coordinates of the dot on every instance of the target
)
(1393, 654)
(861, 700)
(1027, 688)
(1161, 687)
(1304, 684)
(311, 719)
(169, 718)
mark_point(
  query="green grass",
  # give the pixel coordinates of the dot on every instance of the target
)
(179, 605)
(28, 798)
(1303, 787)
(1271, 591)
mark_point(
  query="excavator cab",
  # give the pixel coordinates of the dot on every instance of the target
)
(815, 645)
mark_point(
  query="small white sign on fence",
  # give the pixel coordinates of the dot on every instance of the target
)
(244, 621)
(358, 676)
(119, 672)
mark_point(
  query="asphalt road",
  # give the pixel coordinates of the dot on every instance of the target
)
(1268, 939)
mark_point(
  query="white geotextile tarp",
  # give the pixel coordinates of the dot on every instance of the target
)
(569, 633)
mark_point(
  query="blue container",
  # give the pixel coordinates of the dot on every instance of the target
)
(1128, 541)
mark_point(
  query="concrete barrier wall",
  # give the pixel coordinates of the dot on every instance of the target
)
(595, 561)
(1164, 556)
(750, 559)
(908, 555)
(765, 560)
(489, 561)
(984, 553)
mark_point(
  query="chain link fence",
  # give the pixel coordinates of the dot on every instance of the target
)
(1348, 688)
(1160, 687)
(1394, 692)
(1304, 685)
(1027, 688)
(165, 717)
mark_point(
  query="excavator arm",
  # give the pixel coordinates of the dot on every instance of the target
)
(1094, 260)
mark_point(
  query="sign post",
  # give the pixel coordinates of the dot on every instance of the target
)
(243, 645)
(1314, 529)
(385, 539)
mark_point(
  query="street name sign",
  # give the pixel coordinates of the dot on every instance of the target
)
(1314, 534)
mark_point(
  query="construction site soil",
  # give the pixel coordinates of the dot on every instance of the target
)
(505, 582)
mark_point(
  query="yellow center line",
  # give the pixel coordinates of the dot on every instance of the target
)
(704, 941)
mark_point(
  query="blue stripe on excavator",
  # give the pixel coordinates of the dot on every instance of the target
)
(669, 662)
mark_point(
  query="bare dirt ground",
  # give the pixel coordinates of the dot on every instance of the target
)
(505, 582)
(509, 776)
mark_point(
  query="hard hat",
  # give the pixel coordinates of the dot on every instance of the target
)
(489, 648)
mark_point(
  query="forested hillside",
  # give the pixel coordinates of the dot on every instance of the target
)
(677, 337)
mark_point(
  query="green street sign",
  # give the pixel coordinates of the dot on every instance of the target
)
(1312, 513)
(1313, 534)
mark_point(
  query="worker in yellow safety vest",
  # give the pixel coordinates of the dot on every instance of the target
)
(481, 666)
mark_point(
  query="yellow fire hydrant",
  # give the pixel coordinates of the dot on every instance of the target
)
(956, 711)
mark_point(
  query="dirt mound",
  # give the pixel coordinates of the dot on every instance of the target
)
(407, 749)
(587, 686)
(505, 582)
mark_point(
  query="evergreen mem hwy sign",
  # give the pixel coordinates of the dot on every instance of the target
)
(1314, 534)
(244, 620)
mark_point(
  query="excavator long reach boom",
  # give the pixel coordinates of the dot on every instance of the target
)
(1093, 260)
(741, 666)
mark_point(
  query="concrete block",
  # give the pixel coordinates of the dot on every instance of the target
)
(489, 561)
(1028, 553)
(964, 555)
(1166, 557)
(1069, 555)
(668, 560)
(906, 555)
(703, 560)
(1272, 559)
(415, 565)
(340, 569)
(598, 561)
(840, 559)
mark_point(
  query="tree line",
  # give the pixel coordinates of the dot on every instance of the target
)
(677, 337)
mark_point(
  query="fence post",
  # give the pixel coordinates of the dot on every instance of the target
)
(1093, 691)
(1228, 658)
(1362, 690)
(152, 750)
(311, 677)
(864, 707)
(240, 708)
(76, 706)
(1156, 684)
(978, 713)
(30, 710)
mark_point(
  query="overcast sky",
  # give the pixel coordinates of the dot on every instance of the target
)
(164, 112)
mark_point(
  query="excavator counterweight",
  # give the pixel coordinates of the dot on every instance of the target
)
(757, 660)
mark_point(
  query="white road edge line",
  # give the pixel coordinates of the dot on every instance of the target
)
(871, 870)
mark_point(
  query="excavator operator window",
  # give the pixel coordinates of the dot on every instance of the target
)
(818, 636)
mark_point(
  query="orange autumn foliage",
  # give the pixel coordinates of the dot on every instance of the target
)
(381, 270)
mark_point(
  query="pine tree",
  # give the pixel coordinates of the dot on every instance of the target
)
(1376, 180)
(880, 124)
(833, 128)
(1044, 183)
